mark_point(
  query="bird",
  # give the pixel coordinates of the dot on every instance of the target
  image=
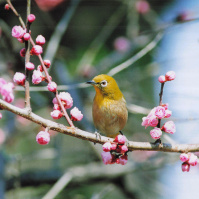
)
(109, 110)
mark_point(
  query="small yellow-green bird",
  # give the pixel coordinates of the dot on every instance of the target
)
(109, 106)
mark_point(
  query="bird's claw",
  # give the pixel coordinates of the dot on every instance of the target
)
(98, 136)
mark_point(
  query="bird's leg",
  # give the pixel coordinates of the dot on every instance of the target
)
(97, 134)
(158, 141)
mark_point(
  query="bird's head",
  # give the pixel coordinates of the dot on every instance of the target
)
(106, 86)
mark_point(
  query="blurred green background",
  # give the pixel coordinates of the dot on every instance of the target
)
(84, 39)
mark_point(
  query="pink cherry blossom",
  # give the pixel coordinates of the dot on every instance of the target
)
(43, 138)
(113, 146)
(160, 112)
(36, 50)
(161, 79)
(8, 98)
(66, 99)
(168, 113)
(26, 36)
(37, 77)
(17, 32)
(19, 78)
(56, 107)
(2, 83)
(106, 146)
(142, 6)
(56, 114)
(6, 89)
(156, 133)
(47, 63)
(193, 159)
(122, 44)
(152, 121)
(185, 167)
(184, 157)
(23, 52)
(170, 75)
(106, 157)
(123, 159)
(40, 68)
(122, 149)
(76, 115)
(120, 139)
(31, 18)
(40, 40)
(52, 86)
(169, 127)
(30, 66)
(165, 106)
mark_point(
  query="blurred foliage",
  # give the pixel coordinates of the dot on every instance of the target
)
(91, 33)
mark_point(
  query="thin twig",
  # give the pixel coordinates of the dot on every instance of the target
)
(84, 135)
(136, 57)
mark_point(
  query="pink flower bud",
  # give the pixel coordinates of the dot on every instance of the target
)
(40, 68)
(106, 147)
(7, 7)
(76, 115)
(19, 78)
(170, 76)
(1, 115)
(142, 6)
(152, 121)
(185, 167)
(47, 63)
(37, 77)
(31, 18)
(184, 157)
(120, 139)
(122, 44)
(56, 114)
(161, 79)
(2, 83)
(160, 112)
(23, 52)
(168, 113)
(123, 159)
(52, 86)
(30, 66)
(21, 40)
(26, 36)
(106, 157)
(169, 127)
(156, 133)
(193, 159)
(56, 107)
(6, 89)
(122, 149)
(8, 98)
(43, 138)
(40, 40)
(17, 32)
(113, 146)
(66, 99)
(36, 50)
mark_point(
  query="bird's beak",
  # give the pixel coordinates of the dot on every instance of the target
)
(91, 82)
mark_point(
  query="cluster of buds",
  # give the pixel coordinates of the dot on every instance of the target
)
(169, 76)
(188, 159)
(115, 152)
(6, 90)
(67, 102)
(157, 113)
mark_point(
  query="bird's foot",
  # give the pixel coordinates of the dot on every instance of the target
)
(121, 133)
(98, 136)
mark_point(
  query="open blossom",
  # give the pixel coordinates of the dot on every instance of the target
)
(31, 18)
(36, 50)
(185, 167)
(106, 146)
(76, 115)
(169, 127)
(106, 157)
(56, 114)
(30, 66)
(17, 32)
(170, 75)
(37, 77)
(150, 120)
(52, 86)
(160, 112)
(40, 40)
(43, 138)
(19, 78)
(156, 133)
(120, 139)
(66, 99)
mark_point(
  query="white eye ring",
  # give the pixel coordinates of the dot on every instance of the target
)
(104, 83)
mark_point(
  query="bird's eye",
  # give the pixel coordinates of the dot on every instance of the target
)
(104, 83)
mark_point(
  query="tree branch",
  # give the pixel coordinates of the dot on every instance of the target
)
(84, 135)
